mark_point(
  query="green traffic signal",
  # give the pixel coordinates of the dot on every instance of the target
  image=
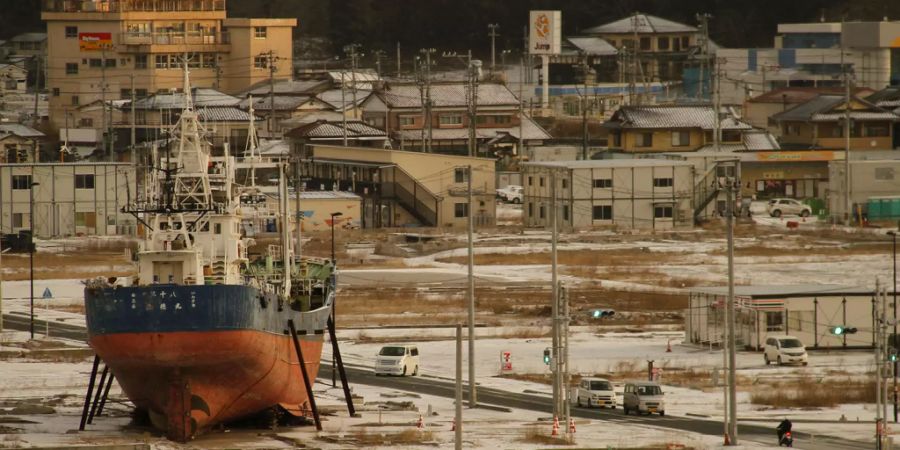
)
(547, 356)
(841, 330)
(837, 331)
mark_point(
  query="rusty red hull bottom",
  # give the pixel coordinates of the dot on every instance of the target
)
(189, 381)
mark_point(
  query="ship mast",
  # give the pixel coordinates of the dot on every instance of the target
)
(192, 179)
(251, 151)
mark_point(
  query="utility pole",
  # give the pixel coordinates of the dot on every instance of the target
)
(37, 88)
(427, 106)
(379, 55)
(555, 295)
(730, 313)
(133, 130)
(472, 104)
(704, 48)
(879, 421)
(344, 110)
(352, 50)
(493, 34)
(399, 62)
(521, 148)
(566, 378)
(272, 59)
(848, 204)
(585, 70)
(457, 436)
(103, 103)
(635, 60)
(473, 401)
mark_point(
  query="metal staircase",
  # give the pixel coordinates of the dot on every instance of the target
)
(419, 201)
(708, 187)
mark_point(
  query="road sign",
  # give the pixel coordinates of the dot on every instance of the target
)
(47, 293)
(505, 361)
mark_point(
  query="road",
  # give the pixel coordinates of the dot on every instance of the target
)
(531, 402)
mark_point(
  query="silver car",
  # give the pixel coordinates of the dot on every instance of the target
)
(778, 207)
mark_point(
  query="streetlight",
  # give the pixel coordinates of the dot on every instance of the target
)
(893, 234)
(334, 215)
(31, 248)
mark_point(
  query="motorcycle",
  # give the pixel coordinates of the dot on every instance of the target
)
(787, 440)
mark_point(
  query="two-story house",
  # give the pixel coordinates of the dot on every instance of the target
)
(664, 129)
(819, 124)
(500, 128)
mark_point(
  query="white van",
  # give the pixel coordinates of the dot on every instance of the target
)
(397, 360)
(784, 349)
(595, 392)
(643, 397)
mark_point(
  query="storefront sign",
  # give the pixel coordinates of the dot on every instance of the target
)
(799, 156)
(545, 32)
(94, 42)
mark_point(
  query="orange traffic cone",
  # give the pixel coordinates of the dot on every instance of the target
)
(572, 426)
(420, 423)
(669, 346)
(727, 439)
(453, 426)
(555, 426)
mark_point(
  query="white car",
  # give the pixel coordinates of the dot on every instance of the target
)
(595, 392)
(511, 193)
(784, 349)
(778, 207)
(397, 360)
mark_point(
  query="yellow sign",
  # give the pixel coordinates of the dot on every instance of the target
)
(798, 156)
(93, 42)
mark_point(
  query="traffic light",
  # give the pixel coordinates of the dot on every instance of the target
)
(602, 313)
(547, 356)
(892, 357)
(840, 330)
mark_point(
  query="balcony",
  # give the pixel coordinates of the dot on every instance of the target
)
(120, 6)
(175, 38)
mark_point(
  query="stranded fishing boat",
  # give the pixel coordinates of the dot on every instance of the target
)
(200, 336)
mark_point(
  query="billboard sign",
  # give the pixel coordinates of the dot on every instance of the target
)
(545, 32)
(93, 42)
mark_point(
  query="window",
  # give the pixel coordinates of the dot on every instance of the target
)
(459, 175)
(217, 228)
(140, 61)
(481, 120)
(450, 119)
(111, 62)
(876, 131)
(208, 60)
(162, 61)
(71, 68)
(884, 173)
(645, 43)
(260, 62)
(21, 182)
(407, 121)
(541, 212)
(662, 182)
(56, 92)
(125, 94)
(541, 181)
(602, 212)
(84, 181)
(662, 43)
(86, 122)
(86, 219)
(260, 32)
(681, 138)
(140, 93)
(461, 210)
(71, 32)
(603, 183)
(731, 136)
(643, 140)
(685, 42)
(530, 209)
(531, 181)
(95, 63)
(502, 120)
(662, 212)
(18, 220)
(565, 183)
(565, 212)
(75, 100)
